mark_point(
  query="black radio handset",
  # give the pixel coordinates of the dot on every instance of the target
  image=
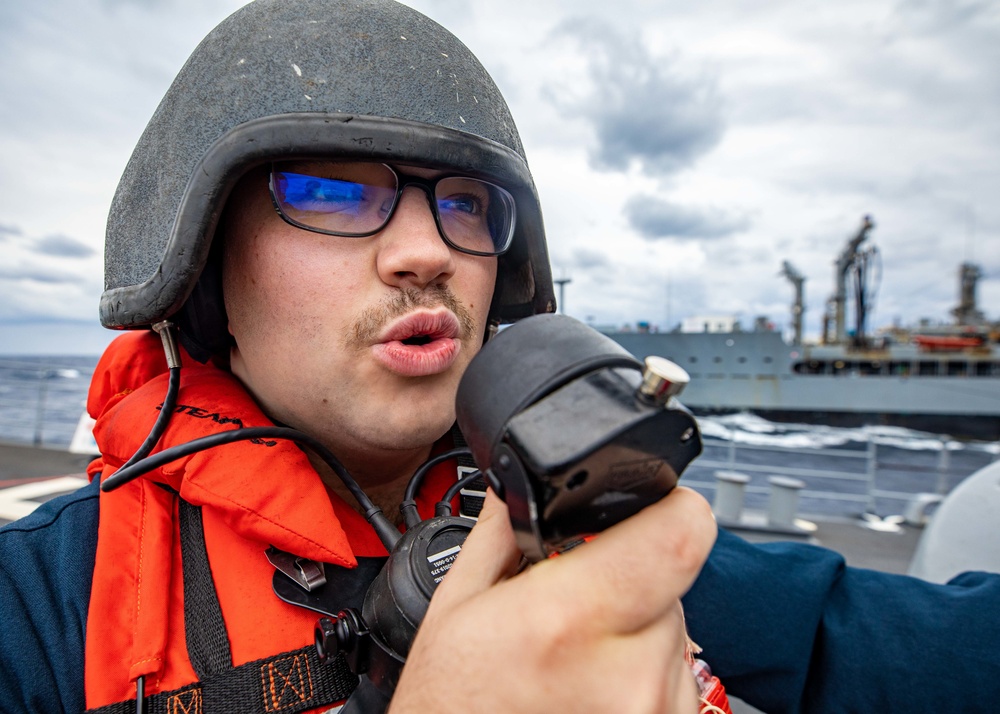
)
(376, 641)
(580, 433)
(570, 430)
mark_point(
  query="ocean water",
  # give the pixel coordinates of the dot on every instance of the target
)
(845, 471)
(42, 398)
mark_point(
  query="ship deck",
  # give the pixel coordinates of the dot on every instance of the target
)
(19, 462)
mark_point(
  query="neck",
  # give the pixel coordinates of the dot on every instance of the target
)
(383, 478)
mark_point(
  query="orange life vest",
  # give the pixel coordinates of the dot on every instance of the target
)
(252, 495)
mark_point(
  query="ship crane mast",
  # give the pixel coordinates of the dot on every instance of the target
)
(798, 307)
(967, 313)
(838, 303)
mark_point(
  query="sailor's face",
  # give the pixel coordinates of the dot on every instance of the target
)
(360, 342)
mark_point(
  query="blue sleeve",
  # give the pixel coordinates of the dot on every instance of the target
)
(46, 566)
(788, 627)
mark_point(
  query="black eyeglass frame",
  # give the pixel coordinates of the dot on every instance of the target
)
(428, 186)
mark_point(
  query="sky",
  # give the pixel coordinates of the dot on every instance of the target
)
(682, 151)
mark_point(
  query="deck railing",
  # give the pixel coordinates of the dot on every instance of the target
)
(41, 403)
(847, 480)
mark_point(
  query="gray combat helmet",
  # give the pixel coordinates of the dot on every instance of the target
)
(365, 79)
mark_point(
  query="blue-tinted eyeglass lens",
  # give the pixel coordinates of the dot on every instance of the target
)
(336, 205)
(475, 215)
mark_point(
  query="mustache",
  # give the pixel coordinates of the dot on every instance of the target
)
(371, 321)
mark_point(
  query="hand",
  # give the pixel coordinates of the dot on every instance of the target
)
(598, 629)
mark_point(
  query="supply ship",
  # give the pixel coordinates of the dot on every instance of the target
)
(939, 378)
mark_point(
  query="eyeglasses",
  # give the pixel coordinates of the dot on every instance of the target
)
(357, 199)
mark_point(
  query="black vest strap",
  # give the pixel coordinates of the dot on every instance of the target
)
(204, 628)
(289, 682)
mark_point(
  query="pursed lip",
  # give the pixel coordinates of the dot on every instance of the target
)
(419, 344)
(435, 324)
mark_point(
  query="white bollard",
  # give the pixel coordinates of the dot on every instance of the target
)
(728, 503)
(784, 501)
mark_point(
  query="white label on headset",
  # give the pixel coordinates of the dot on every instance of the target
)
(441, 562)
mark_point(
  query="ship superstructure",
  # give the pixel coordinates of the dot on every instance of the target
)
(944, 379)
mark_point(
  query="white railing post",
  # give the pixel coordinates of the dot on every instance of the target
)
(871, 471)
(944, 466)
(43, 388)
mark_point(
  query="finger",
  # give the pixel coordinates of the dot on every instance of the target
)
(489, 555)
(680, 690)
(662, 665)
(634, 572)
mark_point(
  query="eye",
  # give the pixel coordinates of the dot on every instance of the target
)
(467, 204)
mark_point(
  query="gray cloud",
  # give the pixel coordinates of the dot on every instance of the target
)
(39, 275)
(654, 218)
(6, 230)
(935, 15)
(88, 61)
(642, 109)
(147, 5)
(584, 259)
(63, 247)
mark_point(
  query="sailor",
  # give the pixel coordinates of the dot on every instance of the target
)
(332, 206)
(298, 207)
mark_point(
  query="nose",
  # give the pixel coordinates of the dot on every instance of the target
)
(411, 252)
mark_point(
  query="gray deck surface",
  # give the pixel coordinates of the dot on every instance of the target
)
(23, 462)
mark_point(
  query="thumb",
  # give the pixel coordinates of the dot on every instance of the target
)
(489, 555)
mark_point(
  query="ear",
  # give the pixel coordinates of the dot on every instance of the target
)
(203, 323)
